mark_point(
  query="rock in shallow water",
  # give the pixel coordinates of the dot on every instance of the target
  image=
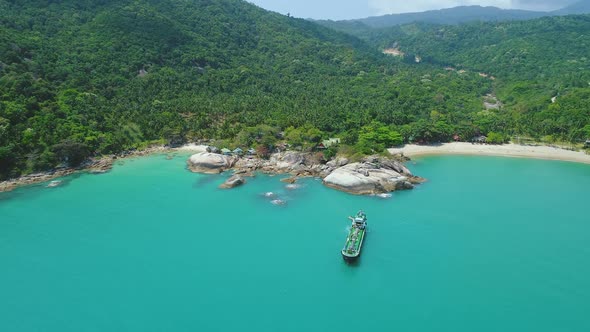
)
(374, 175)
(366, 178)
(290, 180)
(209, 163)
(233, 181)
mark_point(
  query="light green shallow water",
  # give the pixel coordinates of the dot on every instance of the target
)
(488, 244)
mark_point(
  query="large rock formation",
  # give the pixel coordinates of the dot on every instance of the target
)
(372, 176)
(210, 163)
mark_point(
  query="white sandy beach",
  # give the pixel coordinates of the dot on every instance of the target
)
(192, 148)
(506, 150)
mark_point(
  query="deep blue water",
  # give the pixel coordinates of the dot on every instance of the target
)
(487, 244)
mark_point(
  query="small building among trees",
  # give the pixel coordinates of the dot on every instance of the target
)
(212, 149)
(330, 142)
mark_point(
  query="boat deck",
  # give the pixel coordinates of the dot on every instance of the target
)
(354, 241)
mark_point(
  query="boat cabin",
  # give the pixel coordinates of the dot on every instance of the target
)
(359, 222)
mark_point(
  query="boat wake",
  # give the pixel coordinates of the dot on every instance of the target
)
(292, 186)
(278, 202)
(384, 195)
(274, 198)
(54, 183)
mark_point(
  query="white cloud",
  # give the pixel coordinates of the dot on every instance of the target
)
(382, 7)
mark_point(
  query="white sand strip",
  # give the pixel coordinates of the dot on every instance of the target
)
(192, 148)
(506, 150)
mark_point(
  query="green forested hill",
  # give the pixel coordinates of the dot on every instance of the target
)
(524, 49)
(531, 62)
(80, 78)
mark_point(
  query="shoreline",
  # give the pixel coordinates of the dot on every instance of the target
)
(103, 164)
(507, 150)
(95, 165)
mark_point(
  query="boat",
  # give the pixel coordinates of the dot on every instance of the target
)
(356, 235)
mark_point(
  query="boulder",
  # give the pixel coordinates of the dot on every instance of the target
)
(209, 163)
(248, 163)
(100, 166)
(396, 166)
(416, 180)
(365, 179)
(290, 180)
(338, 162)
(233, 181)
(386, 163)
(288, 161)
(341, 162)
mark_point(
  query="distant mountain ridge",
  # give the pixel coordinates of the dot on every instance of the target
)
(455, 15)
(580, 7)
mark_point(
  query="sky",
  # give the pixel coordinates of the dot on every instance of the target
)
(349, 9)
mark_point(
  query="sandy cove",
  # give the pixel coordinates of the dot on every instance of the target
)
(506, 150)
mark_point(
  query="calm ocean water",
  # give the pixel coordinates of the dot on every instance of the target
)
(488, 244)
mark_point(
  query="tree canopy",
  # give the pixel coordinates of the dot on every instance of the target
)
(83, 78)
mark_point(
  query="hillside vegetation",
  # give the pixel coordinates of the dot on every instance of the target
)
(540, 68)
(84, 78)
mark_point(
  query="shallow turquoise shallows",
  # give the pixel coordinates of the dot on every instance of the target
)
(488, 244)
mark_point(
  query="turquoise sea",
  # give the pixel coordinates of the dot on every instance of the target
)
(487, 244)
